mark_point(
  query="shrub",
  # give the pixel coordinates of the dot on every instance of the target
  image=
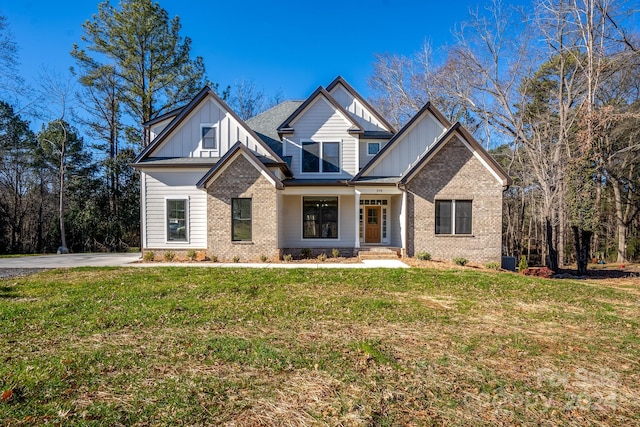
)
(169, 255)
(263, 258)
(335, 253)
(306, 253)
(236, 259)
(287, 257)
(191, 254)
(148, 256)
(214, 258)
(460, 261)
(524, 264)
(492, 265)
(322, 257)
(424, 256)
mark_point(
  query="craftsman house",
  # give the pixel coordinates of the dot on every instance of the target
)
(325, 173)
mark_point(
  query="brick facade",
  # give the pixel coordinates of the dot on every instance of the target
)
(242, 180)
(455, 174)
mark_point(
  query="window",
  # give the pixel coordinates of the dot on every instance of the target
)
(320, 217)
(177, 220)
(209, 137)
(453, 216)
(240, 220)
(313, 152)
(373, 148)
(331, 157)
(310, 156)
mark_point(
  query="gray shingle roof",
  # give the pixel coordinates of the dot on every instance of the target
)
(266, 123)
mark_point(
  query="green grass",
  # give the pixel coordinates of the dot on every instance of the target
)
(168, 346)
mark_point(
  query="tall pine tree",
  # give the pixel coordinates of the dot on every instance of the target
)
(152, 62)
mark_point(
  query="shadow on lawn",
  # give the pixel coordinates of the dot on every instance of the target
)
(7, 292)
(614, 272)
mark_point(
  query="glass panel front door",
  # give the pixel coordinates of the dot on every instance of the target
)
(372, 224)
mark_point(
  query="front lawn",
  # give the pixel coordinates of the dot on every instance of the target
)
(194, 346)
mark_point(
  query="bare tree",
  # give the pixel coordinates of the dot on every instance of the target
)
(246, 99)
(10, 80)
(57, 91)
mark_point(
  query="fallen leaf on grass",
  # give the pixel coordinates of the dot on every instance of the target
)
(6, 395)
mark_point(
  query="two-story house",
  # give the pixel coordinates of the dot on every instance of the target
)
(328, 172)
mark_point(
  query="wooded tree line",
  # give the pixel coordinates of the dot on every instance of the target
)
(554, 92)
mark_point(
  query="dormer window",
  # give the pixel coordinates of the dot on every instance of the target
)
(209, 137)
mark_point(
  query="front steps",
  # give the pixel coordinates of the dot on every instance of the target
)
(378, 252)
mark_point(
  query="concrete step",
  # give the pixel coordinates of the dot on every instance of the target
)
(378, 253)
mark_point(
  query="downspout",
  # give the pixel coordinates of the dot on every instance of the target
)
(403, 219)
(357, 220)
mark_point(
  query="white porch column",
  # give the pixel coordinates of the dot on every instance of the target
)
(403, 222)
(357, 222)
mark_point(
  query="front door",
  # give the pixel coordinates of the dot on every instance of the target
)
(372, 224)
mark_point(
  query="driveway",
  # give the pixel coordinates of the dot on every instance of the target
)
(70, 260)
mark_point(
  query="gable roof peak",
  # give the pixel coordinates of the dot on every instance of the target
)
(285, 127)
(341, 81)
(186, 110)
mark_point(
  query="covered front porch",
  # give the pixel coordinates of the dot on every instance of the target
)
(355, 217)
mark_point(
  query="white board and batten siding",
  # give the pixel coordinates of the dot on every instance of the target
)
(159, 127)
(176, 184)
(321, 122)
(359, 112)
(363, 151)
(409, 148)
(184, 141)
(292, 228)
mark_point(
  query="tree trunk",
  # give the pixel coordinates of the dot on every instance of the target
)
(582, 240)
(63, 237)
(621, 225)
(623, 232)
(552, 261)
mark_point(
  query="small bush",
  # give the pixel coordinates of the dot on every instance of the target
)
(524, 264)
(148, 256)
(236, 259)
(322, 257)
(424, 256)
(492, 265)
(263, 258)
(191, 254)
(287, 257)
(305, 253)
(335, 253)
(461, 261)
(214, 258)
(169, 255)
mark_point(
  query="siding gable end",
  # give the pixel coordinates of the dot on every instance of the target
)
(181, 137)
(361, 110)
(408, 148)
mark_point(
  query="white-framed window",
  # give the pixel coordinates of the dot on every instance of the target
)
(177, 219)
(373, 148)
(320, 217)
(453, 217)
(320, 156)
(209, 137)
(241, 219)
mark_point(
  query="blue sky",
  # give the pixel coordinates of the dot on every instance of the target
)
(291, 47)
